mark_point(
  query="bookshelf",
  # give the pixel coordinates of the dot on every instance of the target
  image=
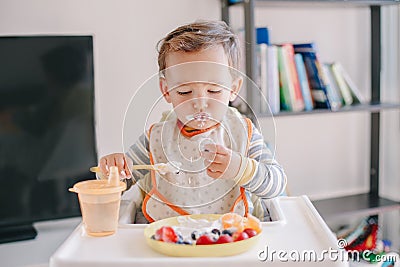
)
(361, 204)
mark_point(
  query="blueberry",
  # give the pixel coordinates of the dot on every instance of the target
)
(195, 235)
(153, 237)
(216, 232)
(227, 232)
(187, 242)
(180, 237)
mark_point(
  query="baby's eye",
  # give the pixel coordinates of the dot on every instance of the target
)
(183, 92)
(215, 91)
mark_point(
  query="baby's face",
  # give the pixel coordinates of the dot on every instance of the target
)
(199, 86)
(200, 105)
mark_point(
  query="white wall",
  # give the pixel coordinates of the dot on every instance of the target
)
(324, 155)
(126, 33)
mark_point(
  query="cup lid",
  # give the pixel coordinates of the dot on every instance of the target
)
(97, 187)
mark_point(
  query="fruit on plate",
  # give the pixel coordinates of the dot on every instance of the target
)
(224, 239)
(250, 232)
(205, 240)
(166, 234)
(230, 227)
(252, 222)
(233, 220)
(238, 236)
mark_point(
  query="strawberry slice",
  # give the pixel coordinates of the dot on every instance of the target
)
(166, 234)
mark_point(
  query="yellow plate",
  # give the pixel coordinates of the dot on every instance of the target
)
(181, 250)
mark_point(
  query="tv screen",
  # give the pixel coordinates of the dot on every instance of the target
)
(47, 138)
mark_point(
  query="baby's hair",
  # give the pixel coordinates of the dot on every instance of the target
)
(197, 36)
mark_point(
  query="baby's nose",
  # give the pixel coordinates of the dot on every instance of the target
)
(200, 104)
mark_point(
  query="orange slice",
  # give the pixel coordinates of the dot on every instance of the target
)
(252, 222)
(232, 220)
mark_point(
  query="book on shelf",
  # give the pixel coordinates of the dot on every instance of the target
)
(273, 95)
(261, 76)
(354, 91)
(291, 77)
(314, 74)
(298, 102)
(304, 85)
(268, 77)
(286, 90)
(332, 88)
(290, 91)
(262, 35)
(344, 89)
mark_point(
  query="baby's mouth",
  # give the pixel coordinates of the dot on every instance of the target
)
(199, 117)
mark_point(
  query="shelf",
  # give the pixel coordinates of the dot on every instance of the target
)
(353, 108)
(322, 3)
(363, 204)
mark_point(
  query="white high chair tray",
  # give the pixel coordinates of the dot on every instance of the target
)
(297, 230)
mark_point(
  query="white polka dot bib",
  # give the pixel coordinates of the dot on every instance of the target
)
(191, 190)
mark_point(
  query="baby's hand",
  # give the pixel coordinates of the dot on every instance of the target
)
(220, 161)
(119, 160)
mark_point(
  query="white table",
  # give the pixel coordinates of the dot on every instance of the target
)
(296, 230)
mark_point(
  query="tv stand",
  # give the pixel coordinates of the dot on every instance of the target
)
(17, 233)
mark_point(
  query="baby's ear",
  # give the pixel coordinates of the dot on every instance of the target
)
(236, 85)
(164, 89)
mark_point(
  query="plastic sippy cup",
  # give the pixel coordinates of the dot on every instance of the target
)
(100, 201)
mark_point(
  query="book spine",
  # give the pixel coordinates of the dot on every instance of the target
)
(355, 92)
(304, 85)
(298, 102)
(284, 82)
(344, 89)
(334, 96)
(273, 79)
(263, 77)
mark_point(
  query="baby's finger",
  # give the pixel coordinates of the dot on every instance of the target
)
(215, 167)
(217, 149)
(120, 163)
(212, 157)
(103, 164)
(128, 165)
(220, 149)
(214, 174)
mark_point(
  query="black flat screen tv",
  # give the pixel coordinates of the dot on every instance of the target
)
(47, 133)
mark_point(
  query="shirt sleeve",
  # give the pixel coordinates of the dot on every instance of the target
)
(268, 177)
(139, 154)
